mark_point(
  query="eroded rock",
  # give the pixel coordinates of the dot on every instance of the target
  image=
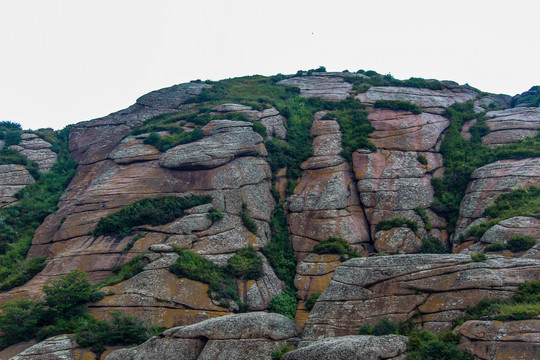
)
(13, 178)
(36, 149)
(511, 125)
(326, 87)
(61, 347)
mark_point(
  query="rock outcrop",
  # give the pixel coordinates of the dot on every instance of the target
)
(36, 149)
(497, 340)
(322, 86)
(353, 348)
(61, 347)
(490, 181)
(432, 289)
(13, 178)
(511, 125)
(243, 336)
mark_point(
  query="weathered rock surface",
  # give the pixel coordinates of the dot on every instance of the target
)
(61, 347)
(436, 287)
(498, 100)
(241, 336)
(353, 348)
(13, 178)
(36, 149)
(133, 149)
(270, 118)
(432, 101)
(225, 140)
(92, 141)
(490, 181)
(496, 340)
(326, 87)
(511, 125)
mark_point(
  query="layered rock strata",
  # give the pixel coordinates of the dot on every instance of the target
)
(432, 289)
(13, 178)
(322, 86)
(511, 125)
(36, 149)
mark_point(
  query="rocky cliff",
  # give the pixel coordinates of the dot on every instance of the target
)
(305, 172)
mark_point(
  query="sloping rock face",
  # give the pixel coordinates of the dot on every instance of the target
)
(326, 87)
(324, 204)
(511, 125)
(496, 340)
(61, 347)
(36, 149)
(243, 336)
(490, 181)
(12, 179)
(270, 118)
(353, 348)
(392, 181)
(505, 230)
(432, 101)
(92, 141)
(433, 288)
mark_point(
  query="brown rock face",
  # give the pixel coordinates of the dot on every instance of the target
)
(437, 287)
(12, 179)
(496, 340)
(392, 182)
(243, 336)
(490, 181)
(433, 101)
(511, 125)
(36, 149)
(327, 87)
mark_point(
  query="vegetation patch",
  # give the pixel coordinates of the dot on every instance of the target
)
(515, 244)
(284, 304)
(124, 271)
(166, 142)
(310, 302)
(479, 256)
(362, 84)
(397, 222)
(432, 245)
(398, 105)
(214, 215)
(421, 211)
(336, 245)
(277, 354)
(248, 222)
(245, 264)
(422, 159)
(155, 211)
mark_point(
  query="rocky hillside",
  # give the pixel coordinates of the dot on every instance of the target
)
(292, 217)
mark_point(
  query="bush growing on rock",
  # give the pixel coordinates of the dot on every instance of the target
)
(335, 245)
(397, 222)
(398, 105)
(432, 245)
(310, 302)
(521, 243)
(284, 304)
(249, 223)
(245, 264)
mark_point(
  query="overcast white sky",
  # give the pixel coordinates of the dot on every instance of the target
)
(65, 61)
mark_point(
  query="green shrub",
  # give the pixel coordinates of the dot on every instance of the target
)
(124, 271)
(245, 264)
(432, 245)
(259, 128)
(249, 223)
(421, 211)
(385, 326)
(164, 143)
(284, 304)
(521, 243)
(478, 256)
(310, 302)
(10, 125)
(215, 215)
(67, 296)
(528, 292)
(398, 105)
(496, 246)
(155, 211)
(422, 159)
(335, 245)
(395, 223)
(277, 354)
(365, 329)
(19, 321)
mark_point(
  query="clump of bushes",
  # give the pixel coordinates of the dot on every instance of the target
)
(310, 302)
(432, 245)
(479, 256)
(421, 211)
(284, 304)
(124, 271)
(248, 222)
(245, 264)
(215, 215)
(335, 245)
(397, 222)
(515, 244)
(164, 143)
(155, 211)
(398, 105)
(422, 159)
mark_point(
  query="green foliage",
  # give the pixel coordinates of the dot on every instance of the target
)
(478, 256)
(385, 327)
(19, 321)
(365, 329)
(362, 84)
(245, 264)
(397, 222)
(10, 125)
(521, 243)
(155, 211)
(120, 330)
(279, 251)
(422, 159)
(398, 105)
(164, 143)
(19, 222)
(67, 296)
(428, 347)
(528, 292)
(249, 223)
(421, 211)
(310, 302)
(259, 128)
(355, 128)
(277, 354)
(496, 246)
(432, 245)
(462, 157)
(335, 245)
(284, 304)
(215, 215)
(124, 271)
(132, 242)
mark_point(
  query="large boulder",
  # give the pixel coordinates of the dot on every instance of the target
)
(497, 340)
(353, 348)
(242, 336)
(61, 347)
(434, 289)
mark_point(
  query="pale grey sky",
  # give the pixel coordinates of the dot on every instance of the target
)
(65, 61)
